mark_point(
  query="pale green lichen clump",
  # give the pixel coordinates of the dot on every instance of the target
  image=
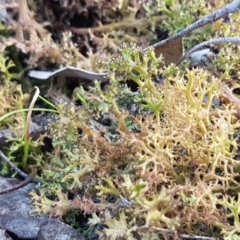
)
(173, 159)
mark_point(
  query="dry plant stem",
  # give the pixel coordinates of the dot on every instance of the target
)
(22, 19)
(27, 22)
(117, 26)
(220, 13)
(232, 40)
(31, 109)
(27, 180)
(27, 128)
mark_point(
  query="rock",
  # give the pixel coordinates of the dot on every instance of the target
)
(15, 218)
(14, 211)
(4, 236)
(201, 57)
(54, 229)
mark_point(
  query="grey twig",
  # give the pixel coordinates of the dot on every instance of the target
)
(20, 172)
(220, 13)
(27, 178)
(233, 40)
(21, 184)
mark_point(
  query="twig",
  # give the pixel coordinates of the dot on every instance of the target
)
(234, 40)
(22, 184)
(20, 172)
(27, 178)
(116, 26)
(220, 13)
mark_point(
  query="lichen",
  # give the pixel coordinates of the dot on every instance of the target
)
(174, 167)
(165, 154)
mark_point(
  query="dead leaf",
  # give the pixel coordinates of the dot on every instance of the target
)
(227, 96)
(172, 51)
